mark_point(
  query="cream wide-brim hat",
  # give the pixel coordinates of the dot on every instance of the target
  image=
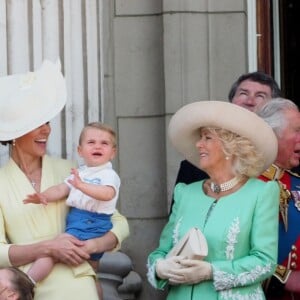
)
(30, 100)
(185, 123)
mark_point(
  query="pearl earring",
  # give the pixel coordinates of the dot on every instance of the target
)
(14, 142)
(227, 157)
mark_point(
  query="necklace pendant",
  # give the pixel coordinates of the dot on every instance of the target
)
(215, 188)
(225, 186)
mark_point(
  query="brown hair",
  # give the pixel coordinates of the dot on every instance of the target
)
(21, 284)
(101, 126)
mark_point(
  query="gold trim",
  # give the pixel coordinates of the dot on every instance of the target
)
(273, 172)
(282, 273)
(285, 196)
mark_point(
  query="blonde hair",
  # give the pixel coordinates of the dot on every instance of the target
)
(247, 160)
(100, 126)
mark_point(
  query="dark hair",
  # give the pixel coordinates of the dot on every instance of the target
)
(259, 77)
(4, 143)
(21, 284)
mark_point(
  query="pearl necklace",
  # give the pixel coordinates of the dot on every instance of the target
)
(226, 186)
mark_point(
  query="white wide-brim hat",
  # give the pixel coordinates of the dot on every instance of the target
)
(30, 100)
(185, 123)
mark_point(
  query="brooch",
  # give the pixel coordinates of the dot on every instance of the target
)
(296, 197)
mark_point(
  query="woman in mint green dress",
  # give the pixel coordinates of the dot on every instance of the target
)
(236, 212)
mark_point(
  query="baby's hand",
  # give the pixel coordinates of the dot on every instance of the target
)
(75, 172)
(76, 180)
(37, 198)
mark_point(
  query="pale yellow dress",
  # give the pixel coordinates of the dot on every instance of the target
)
(29, 223)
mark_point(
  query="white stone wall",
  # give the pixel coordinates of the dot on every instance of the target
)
(167, 53)
(130, 63)
(31, 31)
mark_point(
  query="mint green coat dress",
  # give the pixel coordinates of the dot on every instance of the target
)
(242, 235)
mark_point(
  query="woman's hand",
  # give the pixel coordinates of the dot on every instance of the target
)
(101, 244)
(68, 250)
(166, 268)
(192, 271)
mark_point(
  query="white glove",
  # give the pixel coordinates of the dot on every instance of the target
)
(165, 267)
(192, 271)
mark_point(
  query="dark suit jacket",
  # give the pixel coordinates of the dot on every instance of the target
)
(188, 173)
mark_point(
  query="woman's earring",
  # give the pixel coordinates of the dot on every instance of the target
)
(227, 157)
(14, 142)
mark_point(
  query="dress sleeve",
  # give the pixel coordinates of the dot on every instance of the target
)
(261, 261)
(165, 241)
(120, 228)
(4, 246)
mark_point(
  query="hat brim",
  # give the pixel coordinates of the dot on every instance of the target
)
(30, 100)
(185, 123)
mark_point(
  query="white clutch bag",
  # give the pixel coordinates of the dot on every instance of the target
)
(193, 245)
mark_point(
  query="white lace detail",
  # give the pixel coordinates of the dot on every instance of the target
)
(176, 232)
(257, 294)
(225, 281)
(234, 230)
(151, 274)
(151, 267)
